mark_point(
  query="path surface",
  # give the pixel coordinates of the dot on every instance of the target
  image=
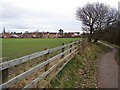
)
(108, 70)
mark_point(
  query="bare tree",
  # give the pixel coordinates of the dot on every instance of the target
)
(96, 16)
(101, 12)
(86, 15)
(111, 33)
(111, 17)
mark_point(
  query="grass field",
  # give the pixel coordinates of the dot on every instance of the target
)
(14, 48)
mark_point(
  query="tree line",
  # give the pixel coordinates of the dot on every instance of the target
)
(101, 21)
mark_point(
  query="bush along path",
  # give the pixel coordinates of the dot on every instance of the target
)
(81, 71)
(108, 70)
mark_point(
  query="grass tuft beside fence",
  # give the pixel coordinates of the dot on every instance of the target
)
(81, 71)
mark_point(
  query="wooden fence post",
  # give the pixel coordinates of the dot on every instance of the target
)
(71, 47)
(63, 49)
(75, 44)
(4, 75)
(79, 47)
(45, 58)
(83, 45)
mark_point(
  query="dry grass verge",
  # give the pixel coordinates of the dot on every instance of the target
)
(80, 72)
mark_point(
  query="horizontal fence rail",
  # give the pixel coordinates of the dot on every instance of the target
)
(23, 59)
(46, 73)
(72, 49)
(30, 71)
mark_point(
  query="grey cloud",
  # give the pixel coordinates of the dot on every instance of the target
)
(17, 18)
(19, 26)
(11, 12)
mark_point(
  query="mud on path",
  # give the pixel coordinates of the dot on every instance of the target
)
(108, 70)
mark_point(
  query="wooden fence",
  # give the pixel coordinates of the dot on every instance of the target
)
(67, 52)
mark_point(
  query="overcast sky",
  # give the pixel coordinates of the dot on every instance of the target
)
(43, 15)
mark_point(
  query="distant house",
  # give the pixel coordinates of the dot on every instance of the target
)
(37, 35)
(1, 35)
(7, 35)
(76, 34)
(45, 34)
(19, 34)
(26, 35)
(53, 35)
(69, 35)
(34, 35)
(40, 35)
(14, 36)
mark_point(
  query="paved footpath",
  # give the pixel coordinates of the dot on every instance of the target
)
(108, 70)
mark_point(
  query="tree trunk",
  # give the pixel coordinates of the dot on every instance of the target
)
(90, 35)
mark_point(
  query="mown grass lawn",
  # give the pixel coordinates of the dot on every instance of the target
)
(13, 48)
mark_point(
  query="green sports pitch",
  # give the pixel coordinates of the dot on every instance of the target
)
(14, 48)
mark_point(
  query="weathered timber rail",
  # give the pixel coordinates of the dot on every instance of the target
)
(62, 59)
